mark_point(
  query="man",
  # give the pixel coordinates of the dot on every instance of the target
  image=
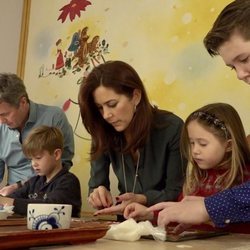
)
(18, 115)
(229, 38)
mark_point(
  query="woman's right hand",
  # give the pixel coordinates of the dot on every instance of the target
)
(100, 198)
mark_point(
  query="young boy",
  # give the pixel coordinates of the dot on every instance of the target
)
(53, 183)
(229, 38)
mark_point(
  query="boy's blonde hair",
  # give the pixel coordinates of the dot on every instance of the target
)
(223, 121)
(43, 138)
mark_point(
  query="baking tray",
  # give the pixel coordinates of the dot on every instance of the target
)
(190, 235)
(14, 236)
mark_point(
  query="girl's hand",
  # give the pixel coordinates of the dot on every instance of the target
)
(138, 212)
(122, 201)
(100, 198)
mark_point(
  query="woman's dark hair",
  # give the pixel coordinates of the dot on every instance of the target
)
(123, 79)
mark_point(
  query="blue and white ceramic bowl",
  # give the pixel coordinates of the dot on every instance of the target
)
(48, 216)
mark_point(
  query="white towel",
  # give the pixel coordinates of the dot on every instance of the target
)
(130, 230)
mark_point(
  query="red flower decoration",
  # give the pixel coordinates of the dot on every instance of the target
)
(72, 9)
(66, 105)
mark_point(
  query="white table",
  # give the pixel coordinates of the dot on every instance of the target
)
(225, 242)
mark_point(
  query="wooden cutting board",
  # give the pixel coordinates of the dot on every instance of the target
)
(14, 234)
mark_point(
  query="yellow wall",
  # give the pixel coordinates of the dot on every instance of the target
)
(161, 39)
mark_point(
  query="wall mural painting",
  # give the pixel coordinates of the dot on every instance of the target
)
(81, 54)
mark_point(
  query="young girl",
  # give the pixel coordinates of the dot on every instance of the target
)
(214, 143)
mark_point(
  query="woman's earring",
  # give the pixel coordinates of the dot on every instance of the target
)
(134, 108)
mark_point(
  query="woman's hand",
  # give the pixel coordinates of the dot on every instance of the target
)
(138, 212)
(100, 198)
(122, 201)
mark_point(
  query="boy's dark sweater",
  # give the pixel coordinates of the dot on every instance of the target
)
(64, 188)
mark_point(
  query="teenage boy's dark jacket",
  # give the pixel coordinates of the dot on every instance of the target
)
(64, 188)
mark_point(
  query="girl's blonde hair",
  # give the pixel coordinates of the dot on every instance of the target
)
(223, 121)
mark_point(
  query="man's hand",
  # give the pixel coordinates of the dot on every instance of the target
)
(7, 190)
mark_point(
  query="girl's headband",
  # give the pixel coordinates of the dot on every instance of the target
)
(212, 119)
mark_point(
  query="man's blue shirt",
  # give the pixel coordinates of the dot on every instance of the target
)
(11, 155)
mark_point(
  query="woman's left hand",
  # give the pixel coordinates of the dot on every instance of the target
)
(122, 201)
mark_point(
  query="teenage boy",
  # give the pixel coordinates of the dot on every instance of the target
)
(53, 183)
(229, 38)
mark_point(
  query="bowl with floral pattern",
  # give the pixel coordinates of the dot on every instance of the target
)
(48, 216)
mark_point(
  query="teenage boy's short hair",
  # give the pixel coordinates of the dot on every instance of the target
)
(43, 138)
(235, 17)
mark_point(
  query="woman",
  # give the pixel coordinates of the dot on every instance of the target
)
(140, 141)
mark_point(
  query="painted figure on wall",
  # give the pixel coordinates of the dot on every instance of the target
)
(75, 42)
(59, 58)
